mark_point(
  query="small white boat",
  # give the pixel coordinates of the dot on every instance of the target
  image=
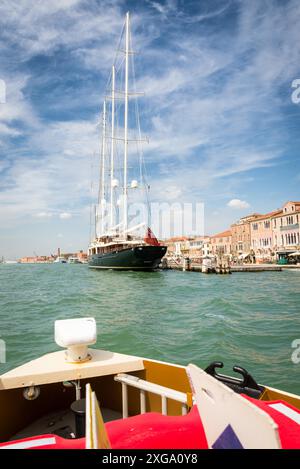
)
(74, 260)
(60, 260)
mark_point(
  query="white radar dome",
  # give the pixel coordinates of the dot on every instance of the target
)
(75, 335)
(134, 184)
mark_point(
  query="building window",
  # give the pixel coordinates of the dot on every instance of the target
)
(255, 226)
(267, 224)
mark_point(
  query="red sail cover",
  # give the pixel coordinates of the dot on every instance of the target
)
(150, 238)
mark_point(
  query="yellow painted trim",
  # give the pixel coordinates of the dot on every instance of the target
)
(189, 397)
(270, 394)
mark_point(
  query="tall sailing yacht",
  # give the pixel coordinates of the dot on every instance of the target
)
(116, 244)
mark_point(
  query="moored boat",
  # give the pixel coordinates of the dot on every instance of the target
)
(74, 260)
(48, 403)
(127, 255)
(116, 245)
(59, 260)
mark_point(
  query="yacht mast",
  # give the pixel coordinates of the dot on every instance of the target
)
(112, 146)
(125, 215)
(102, 201)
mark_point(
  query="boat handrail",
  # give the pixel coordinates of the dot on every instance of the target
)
(165, 393)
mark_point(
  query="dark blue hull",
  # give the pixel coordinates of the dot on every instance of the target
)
(136, 258)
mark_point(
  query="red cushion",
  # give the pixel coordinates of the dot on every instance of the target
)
(156, 431)
(289, 430)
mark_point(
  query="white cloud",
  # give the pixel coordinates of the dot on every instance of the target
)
(6, 130)
(238, 204)
(44, 26)
(159, 7)
(17, 113)
(65, 216)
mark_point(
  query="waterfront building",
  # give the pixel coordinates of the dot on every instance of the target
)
(286, 229)
(253, 238)
(177, 246)
(183, 246)
(82, 256)
(206, 249)
(241, 237)
(35, 260)
(261, 234)
(195, 246)
(221, 243)
(27, 260)
(277, 233)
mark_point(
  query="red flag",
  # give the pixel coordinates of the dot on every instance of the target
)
(150, 238)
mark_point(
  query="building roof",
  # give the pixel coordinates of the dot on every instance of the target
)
(292, 202)
(252, 215)
(281, 213)
(223, 234)
(268, 215)
(177, 238)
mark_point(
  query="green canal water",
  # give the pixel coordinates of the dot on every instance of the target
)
(249, 319)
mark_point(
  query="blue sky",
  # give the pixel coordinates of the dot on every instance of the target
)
(217, 109)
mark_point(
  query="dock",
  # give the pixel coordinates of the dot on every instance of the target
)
(197, 267)
(256, 268)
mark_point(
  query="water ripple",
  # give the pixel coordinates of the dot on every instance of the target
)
(246, 319)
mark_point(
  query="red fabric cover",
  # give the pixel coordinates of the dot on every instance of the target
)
(289, 430)
(151, 239)
(60, 443)
(156, 431)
